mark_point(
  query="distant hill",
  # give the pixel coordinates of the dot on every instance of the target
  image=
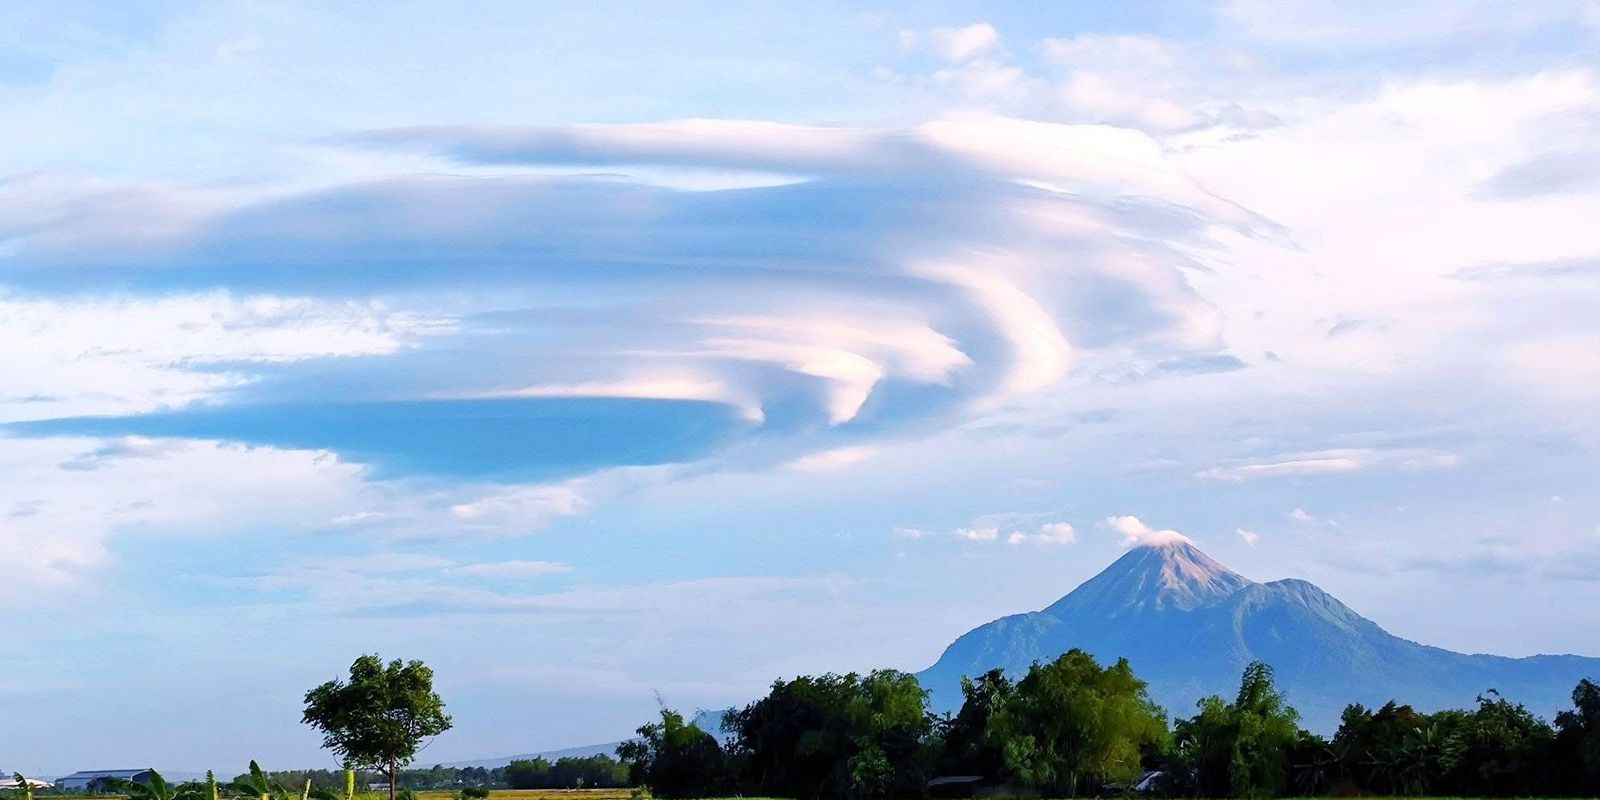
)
(1189, 625)
(584, 751)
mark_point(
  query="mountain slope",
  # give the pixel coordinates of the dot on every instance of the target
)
(1189, 625)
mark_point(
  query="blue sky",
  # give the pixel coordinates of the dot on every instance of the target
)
(590, 356)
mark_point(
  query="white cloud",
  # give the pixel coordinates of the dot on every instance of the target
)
(649, 388)
(1249, 537)
(1121, 52)
(1040, 354)
(961, 44)
(1274, 469)
(121, 354)
(1050, 533)
(65, 500)
(1563, 368)
(1302, 516)
(832, 460)
(509, 569)
(522, 508)
(1141, 81)
(62, 501)
(902, 532)
(1332, 462)
(983, 534)
(1135, 532)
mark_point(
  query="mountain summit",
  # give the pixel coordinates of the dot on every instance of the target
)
(1189, 625)
(1171, 575)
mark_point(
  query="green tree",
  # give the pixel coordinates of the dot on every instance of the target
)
(1577, 745)
(834, 736)
(1498, 749)
(528, 773)
(598, 771)
(1243, 748)
(1072, 724)
(379, 718)
(964, 744)
(675, 759)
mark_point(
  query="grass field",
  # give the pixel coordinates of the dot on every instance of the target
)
(441, 794)
(535, 794)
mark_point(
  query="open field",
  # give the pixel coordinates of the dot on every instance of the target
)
(430, 794)
(536, 794)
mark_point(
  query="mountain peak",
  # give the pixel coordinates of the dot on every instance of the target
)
(1170, 573)
(1188, 624)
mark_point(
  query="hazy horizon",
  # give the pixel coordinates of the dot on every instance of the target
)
(593, 357)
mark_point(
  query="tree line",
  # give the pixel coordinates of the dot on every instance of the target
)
(1073, 727)
(570, 772)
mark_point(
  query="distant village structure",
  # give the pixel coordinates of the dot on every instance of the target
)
(11, 784)
(99, 780)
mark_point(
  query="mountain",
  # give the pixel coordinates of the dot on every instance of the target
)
(1189, 625)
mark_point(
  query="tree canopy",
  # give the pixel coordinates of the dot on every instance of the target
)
(834, 736)
(675, 759)
(1072, 725)
(379, 718)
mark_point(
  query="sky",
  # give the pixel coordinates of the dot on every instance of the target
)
(602, 357)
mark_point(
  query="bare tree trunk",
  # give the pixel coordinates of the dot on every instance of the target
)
(394, 777)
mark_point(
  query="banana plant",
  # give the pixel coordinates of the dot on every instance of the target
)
(24, 789)
(257, 785)
(157, 788)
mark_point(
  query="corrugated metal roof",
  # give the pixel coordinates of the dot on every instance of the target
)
(107, 773)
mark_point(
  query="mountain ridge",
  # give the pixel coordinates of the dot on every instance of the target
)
(1188, 625)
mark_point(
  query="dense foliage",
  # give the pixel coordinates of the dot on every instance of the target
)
(1071, 725)
(676, 759)
(1074, 727)
(1241, 748)
(593, 772)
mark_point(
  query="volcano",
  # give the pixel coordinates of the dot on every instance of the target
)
(1189, 625)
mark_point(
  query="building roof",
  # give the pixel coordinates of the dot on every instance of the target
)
(107, 773)
(11, 783)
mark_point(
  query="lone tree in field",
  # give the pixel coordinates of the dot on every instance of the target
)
(379, 718)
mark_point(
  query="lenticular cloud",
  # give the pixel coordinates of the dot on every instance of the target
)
(834, 284)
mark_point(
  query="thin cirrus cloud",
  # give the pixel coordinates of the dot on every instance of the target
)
(899, 276)
(1329, 462)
